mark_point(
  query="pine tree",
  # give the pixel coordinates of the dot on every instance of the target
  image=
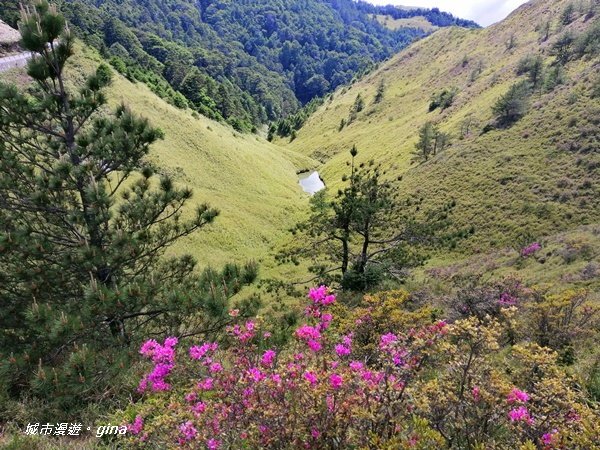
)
(357, 106)
(568, 14)
(362, 234)
(380, 92)
(84, 225)
(424, 146)
(511, 106)
(431, 142)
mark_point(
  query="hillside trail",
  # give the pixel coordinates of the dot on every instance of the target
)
(14, 61)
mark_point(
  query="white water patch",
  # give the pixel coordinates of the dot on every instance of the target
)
(311, 183)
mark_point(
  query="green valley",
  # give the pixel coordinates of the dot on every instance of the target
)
(166, 282)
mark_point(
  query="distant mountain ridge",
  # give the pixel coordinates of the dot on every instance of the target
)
(245, 62)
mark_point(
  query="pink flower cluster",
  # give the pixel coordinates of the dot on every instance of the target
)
(199, 352)
(188, 432)
(243, 333)
(311, 335)
(507, 299)
(530, 249)
(137, 425)
(163, 357)
(321, 296)
(520, 414)
(549, 439)
(517, 396)
(345, 347)
(268, 358)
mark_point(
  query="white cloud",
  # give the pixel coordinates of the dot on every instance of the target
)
(484, 12)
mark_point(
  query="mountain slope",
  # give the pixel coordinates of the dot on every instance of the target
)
(537, 177)
(252, 182)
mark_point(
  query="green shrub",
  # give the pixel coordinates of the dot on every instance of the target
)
(568, 14)
(588, 43)
(443, 99)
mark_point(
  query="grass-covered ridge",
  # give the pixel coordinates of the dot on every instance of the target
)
(536, 177)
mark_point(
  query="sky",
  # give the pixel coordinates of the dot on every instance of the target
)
(484, 12)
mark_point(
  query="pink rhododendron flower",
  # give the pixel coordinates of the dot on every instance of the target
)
(215, 367)
(171, 342)
(188, 430)
(155, 379)
(356, 365)
(255, 374)
(206, 384)
(198, 352)
(268, 357)
(199, 408)
(387, 340)
(160, 353)
(548, 438)
(213, 444)
(234, 313)
(310, 377)
(342, 350)
(315, 433)
(148, 347)
(316, 294)
(475, 393)
(336, 380)
(520, 414)
(328, 300)
(137, 425)
(307, 332)
(320, 296)
(326, 321)
(530, 249)
(517, 396)
(315, 346)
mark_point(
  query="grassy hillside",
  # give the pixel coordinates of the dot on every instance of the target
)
(252, 182)
(419, 22)
(537, 177)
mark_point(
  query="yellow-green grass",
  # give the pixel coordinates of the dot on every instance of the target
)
(506, 182)
(419, 22)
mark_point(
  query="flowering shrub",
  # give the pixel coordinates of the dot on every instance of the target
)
(433, 386)
(530, 249)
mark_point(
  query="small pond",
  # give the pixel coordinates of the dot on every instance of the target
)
(311, 182)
